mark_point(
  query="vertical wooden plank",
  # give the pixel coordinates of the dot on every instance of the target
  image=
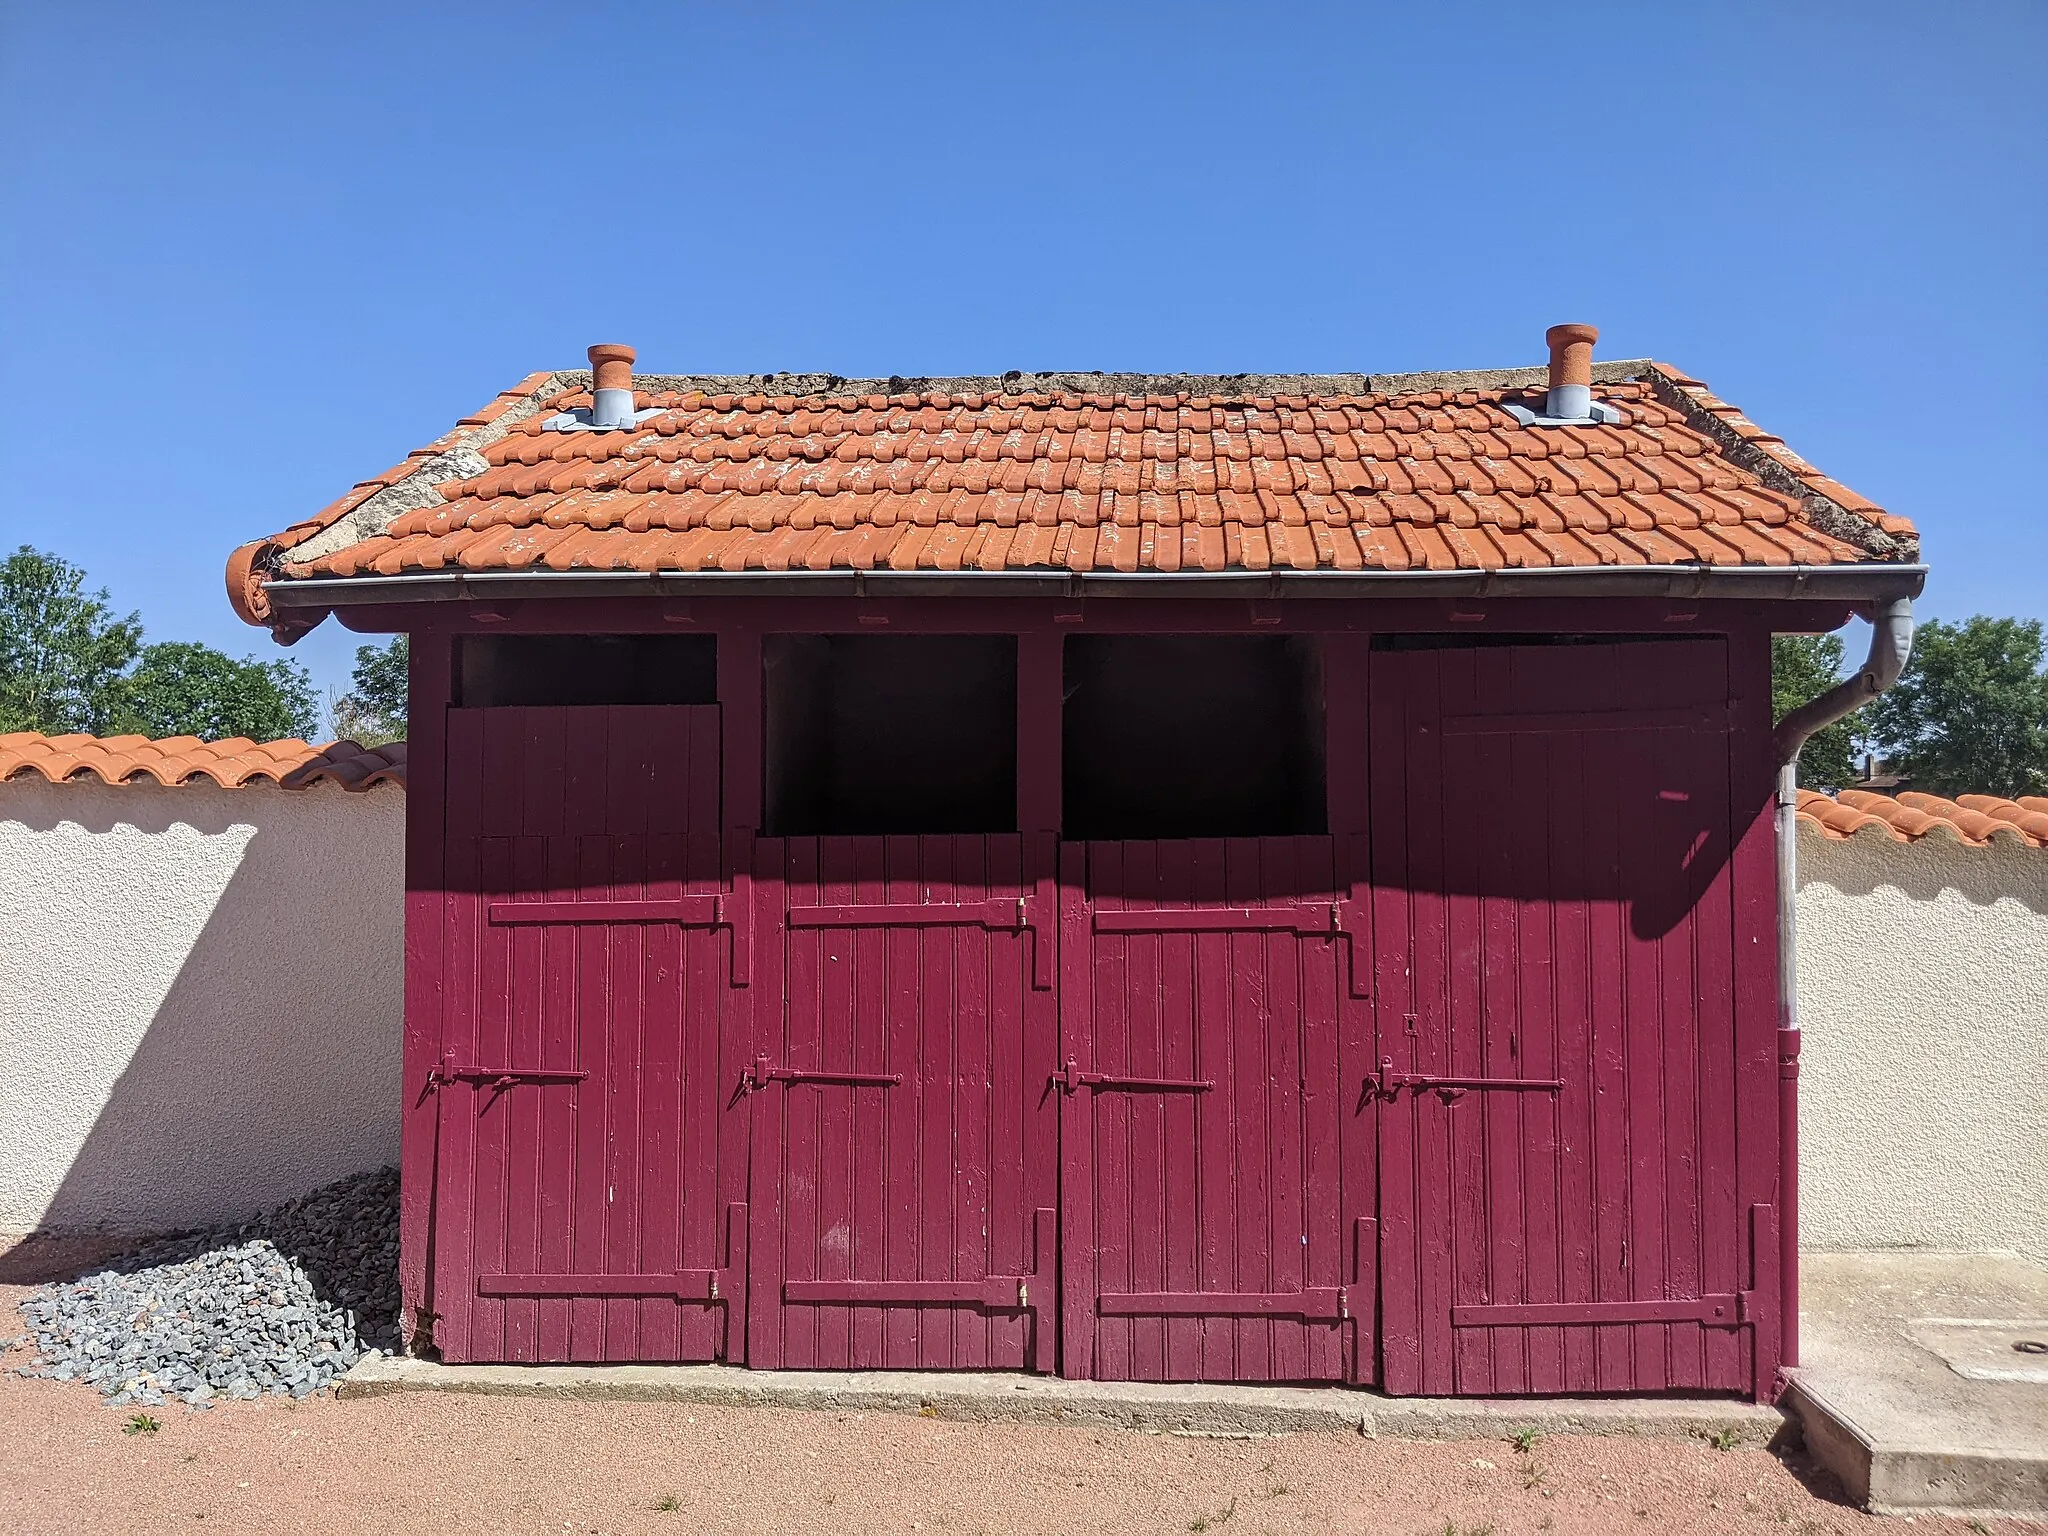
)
(815, 1175)
(631, 958)
(1108, 1046)
(487, 1110)
(1348, 1119)
(1190, 1119)
(1080, 1280)
(1039, 1058)
(432, 901)
(456, 1211)
(1754, 903)
(1222, 1123)
(961, 1156)
(1397, 925)
(1608, 947)
(519, 1105)
(677, 1173)
(851, 1235)
(555, 1212)
(1645, 881)
(1529, 880)
(1684, 763)
(1720, 1228)
(1501, 1029)
(772, 1135)
(1465, 1275)
(1039, 723)
(903, 1227)
(1148, 1145)
(1318, 1128)
(928, 1095)
(1287, 956)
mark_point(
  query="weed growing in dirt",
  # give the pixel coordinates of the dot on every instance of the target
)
(1524, 1440)
(1532, 1476)
(1451, 1529)
(668, 1504)
(1980, 1527)
(1725, 1439)
(1222, 1516)
(140, 1424)
(1274, 1487)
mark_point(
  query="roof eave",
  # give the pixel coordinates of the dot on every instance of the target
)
(1860, 582)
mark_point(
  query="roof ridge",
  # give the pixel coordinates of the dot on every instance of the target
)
(1023, 382)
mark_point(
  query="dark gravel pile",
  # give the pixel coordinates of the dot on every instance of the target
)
(283, 1303)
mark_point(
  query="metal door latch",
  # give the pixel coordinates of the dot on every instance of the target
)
(1071, 1079)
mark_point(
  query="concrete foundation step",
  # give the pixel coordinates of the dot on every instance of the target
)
(1181, 1408)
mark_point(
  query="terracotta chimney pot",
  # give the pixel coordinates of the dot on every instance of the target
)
(1571, 371)
(611, 384)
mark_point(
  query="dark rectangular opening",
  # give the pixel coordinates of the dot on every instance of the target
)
(872, 734)
(1170, 736)
(499, 670)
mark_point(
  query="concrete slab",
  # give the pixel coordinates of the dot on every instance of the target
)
(1182, 1409)
(1909, 1388)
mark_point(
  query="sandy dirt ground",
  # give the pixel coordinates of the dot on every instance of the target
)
(443, 1463)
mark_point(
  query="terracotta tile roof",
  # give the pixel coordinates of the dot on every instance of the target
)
(1977, 820)
(188, 760)
(1087, 473)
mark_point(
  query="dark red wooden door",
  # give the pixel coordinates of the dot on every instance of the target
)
(584, 1157)
(905, 1140)
(1562, 1071)
(1204, 1229)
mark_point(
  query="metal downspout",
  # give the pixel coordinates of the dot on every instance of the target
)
(1891, 642)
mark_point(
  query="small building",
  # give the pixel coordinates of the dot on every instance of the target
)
(1232, 879)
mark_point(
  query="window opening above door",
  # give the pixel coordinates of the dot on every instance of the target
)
(1175, 736)
(533, 670)
(875, 734)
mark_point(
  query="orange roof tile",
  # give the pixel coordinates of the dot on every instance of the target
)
(188, 760)
(1976, 820)
(1086, 473)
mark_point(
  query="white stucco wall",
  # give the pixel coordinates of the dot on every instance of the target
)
(1923, 995)
(200, 998)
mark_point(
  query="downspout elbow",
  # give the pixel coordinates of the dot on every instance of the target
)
(1891, 642)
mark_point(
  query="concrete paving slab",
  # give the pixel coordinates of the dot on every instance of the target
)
(1909, 1388)
(1180, 1408)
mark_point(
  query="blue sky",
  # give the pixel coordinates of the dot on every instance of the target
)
(251, 254)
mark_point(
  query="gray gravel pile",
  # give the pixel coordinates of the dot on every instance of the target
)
(284, 1303)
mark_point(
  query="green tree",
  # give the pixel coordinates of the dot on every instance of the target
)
(372, 712)
(1804, 667)
(182, 688)
(1970, 713)
(62, 649)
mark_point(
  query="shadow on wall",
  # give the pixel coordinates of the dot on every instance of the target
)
(270, 1065)
(1923, 870)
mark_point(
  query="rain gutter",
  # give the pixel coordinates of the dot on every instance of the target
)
(1863, 583)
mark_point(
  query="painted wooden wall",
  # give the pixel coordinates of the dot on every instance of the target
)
(1120, 1110)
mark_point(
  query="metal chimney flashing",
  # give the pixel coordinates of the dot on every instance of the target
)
(1597, 413)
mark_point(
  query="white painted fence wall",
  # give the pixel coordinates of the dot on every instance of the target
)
(200, 1002)
(199, 998)
(1923, 992)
